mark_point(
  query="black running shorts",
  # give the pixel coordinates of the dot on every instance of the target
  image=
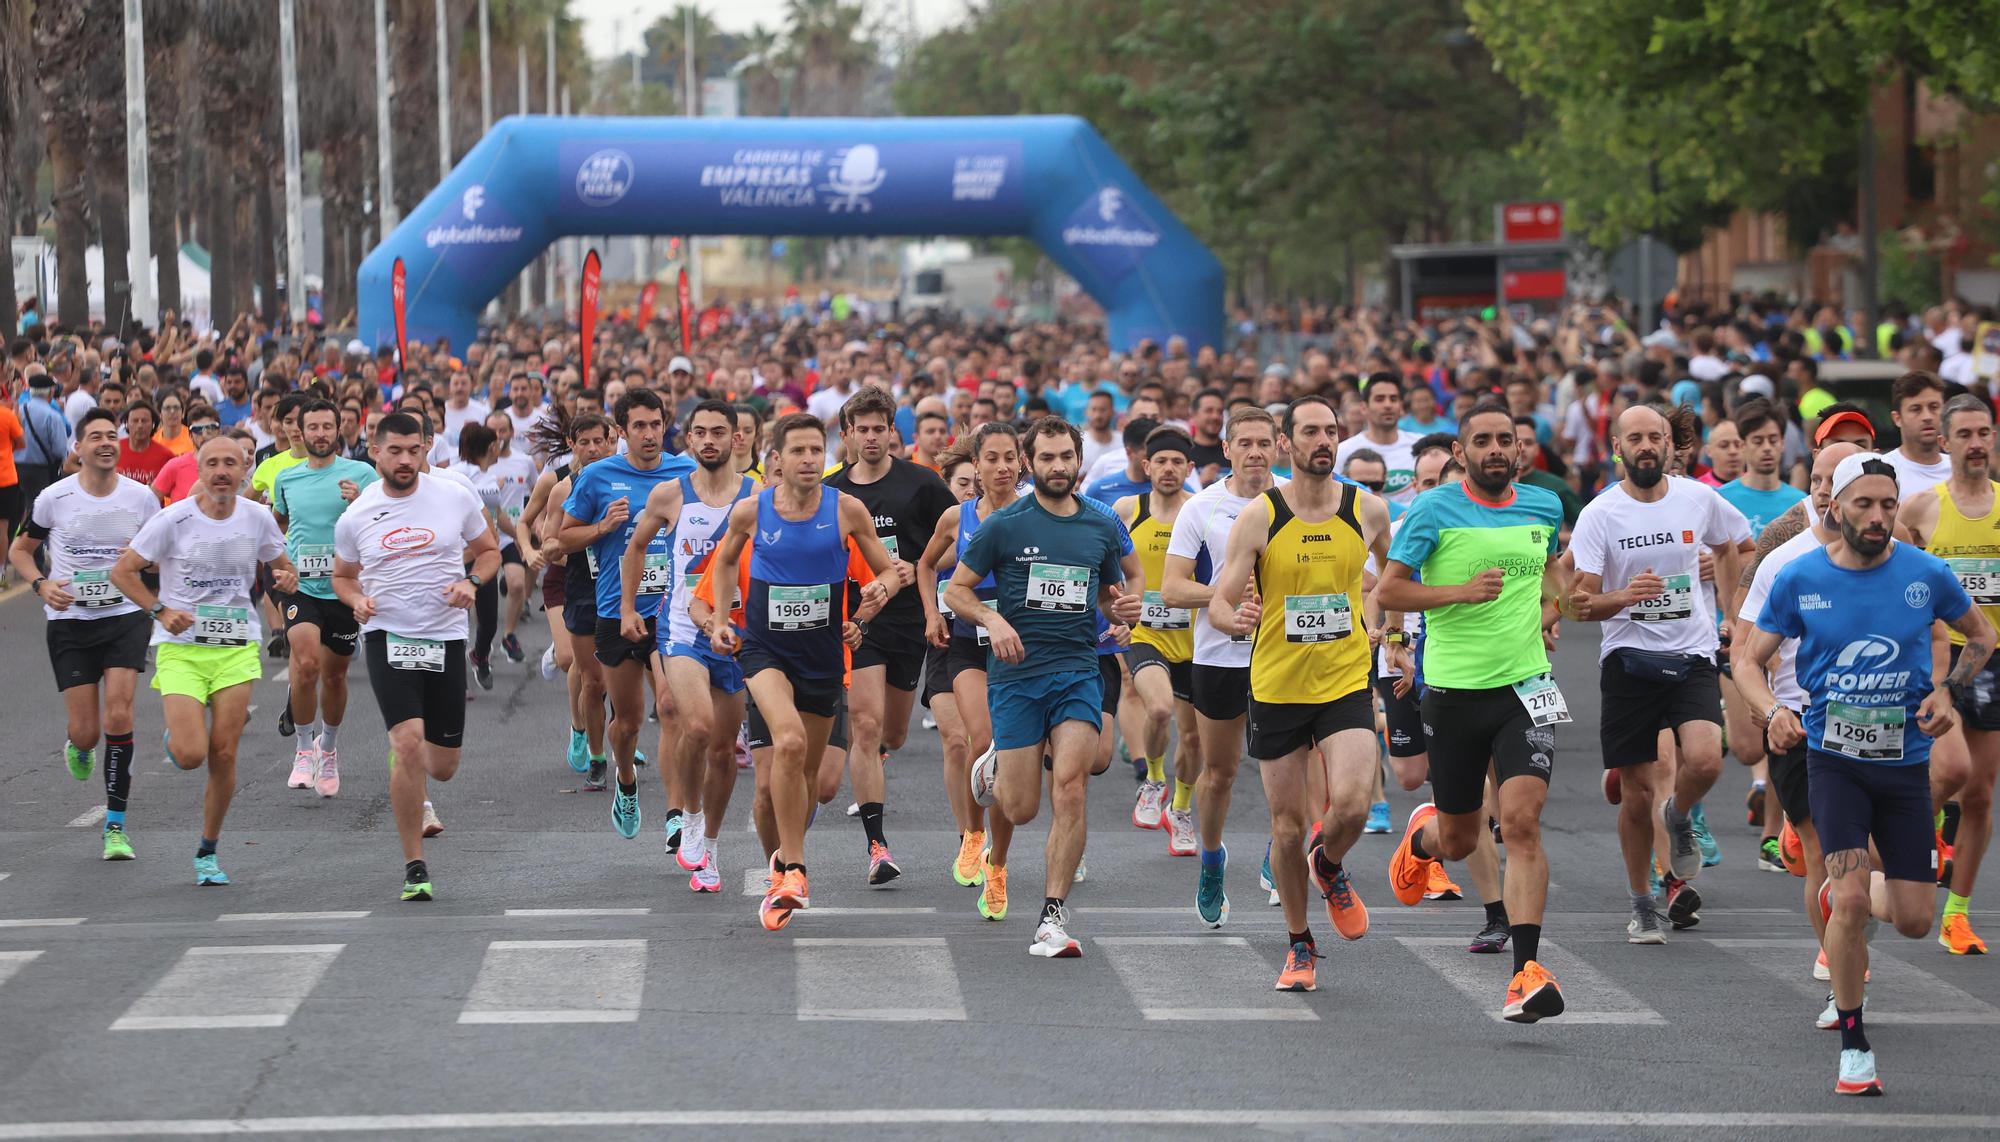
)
(436, 696)
(1468, 730)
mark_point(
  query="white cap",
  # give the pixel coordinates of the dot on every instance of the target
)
(356, 349)
(681, 365)
(1851, 469)
(855, 347)
(1757, 384)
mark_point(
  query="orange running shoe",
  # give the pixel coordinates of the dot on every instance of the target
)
(966, 869)
(1343, 905)
(1943, 859)
(1300, 973)
(792, 890)
(1792, 850)
(1441, 886)
(1532, 996)
(993, 897)
(1409, 874)
(1957, 937)
(769, 913)
(1824, 974)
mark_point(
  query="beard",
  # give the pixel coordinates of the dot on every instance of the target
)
(713, 464)
(1866, 545)
(1492, 480)
(1055, 484)
(401, 479)
(1646, 471)
(320, 449)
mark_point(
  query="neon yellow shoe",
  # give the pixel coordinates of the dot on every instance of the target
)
(967, 868)
(993, 897)
(117, 846)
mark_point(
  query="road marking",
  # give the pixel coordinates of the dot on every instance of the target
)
(11, 962)
(5, 875)
(88, 817)
(882, 979)
(44, 922)
(886, 910)
(1590, 998)
(1155, 971)
(263, 917)
(1166, 1118)
(558, 981)
(231, 987)
(1901, 993)
(562, 913)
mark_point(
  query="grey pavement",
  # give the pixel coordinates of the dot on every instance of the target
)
(305, 999)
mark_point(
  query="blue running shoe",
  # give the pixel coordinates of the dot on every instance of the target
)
(1711, 853)
(625, 813)
(673, 827)
(638, 756)
(579, 751)
(1378, 818)
(1264, 880)
(1210, 902)
(207, 871)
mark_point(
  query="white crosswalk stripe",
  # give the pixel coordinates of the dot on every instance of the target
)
(12, 962)
(231, 988)
(1156, 971)
(890, 980)
(558, 981)
(1900, 992)
(1590, 997)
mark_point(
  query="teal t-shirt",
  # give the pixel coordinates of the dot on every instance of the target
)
(309, 499)
(1449, 537)
(1760, 508)
(1047, 569)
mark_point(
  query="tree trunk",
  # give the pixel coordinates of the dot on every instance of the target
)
(68, 195)
(220, 225)
(413, 117)
(114, 236)
(163, 161)
(265, 262)
(8, 314)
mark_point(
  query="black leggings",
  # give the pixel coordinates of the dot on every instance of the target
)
(486, 609)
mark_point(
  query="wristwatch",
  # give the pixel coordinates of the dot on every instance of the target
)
(36, 586)
(1772, 712)
(154, 610)
(475, 580)
(1395, 638)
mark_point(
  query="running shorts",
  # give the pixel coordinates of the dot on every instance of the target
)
(553, 596)
(825, 697)
(338, 632)
(937, 674)
(81, 650)
(1636, 708)
(1111, 673)
(962, 655)
(613, 649)
(758, 733)
(1221, 693)
(436, 696)
(897, 646)
(1856, 801)
(199, 672)
(1979, 703)
(1180, 675)
(1404, 717)
(1277, 729)
(1788, 777)
(1025, 710)
(723, 673)
(1466, 730)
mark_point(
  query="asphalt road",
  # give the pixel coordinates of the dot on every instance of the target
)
(566, 981)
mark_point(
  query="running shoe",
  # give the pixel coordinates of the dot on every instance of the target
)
(743, 758)
(993, 896)
(594, 778)
(1378, 819)
(930, 723)
(1052, 938)
(1532, 996)
(625, 814)
(512, 645)
(1683, 903)
(1614, 788)
(639, 755)
(707, 878)
(967, 870)
(1182, 840)
(417, 886)
(1829, 1019)
(1441, 886)
(692, 839)
(117, 846)
(1299, 973)
(854, 808)
(579, 751)
(1685, 852)
(1857, 1074)
(482, 672)
(793, 891)
(775, 910)
(1151, 802)
(1753, 804)
(82, 761)
(1824, 974)
(1082, 868)
(1264, 880)
(1943, 861)
(676, 827)
(1491, 939)
(207, 871)
(327, 780)
(286, 726)
(1955, 933)
(1644, 926)
(1211, 903)
(549, 664)
(1771, 856)
(1343, 904)
(1711, 853)
(432, 826)
(984, 769)
(277, 647)
(882, 868)
(1409, 874)
(1792, 849)
(302, 767)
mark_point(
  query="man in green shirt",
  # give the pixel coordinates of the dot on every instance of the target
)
(1525, 472)
(307, 498)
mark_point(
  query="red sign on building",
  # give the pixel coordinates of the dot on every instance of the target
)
(1534, 285)
(1531, 222)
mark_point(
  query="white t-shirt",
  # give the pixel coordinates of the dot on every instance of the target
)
(526, 424)
(411, 548)
(1094, 451)
(1397, 457)
(87, 534)
(507, 481)
(825, 403)
(474, 412)
(1112, 463)
(1203, 528)
(1618, 537)
(1913, 477)
(1707, 367)
(207, 566)
(76, 404)
(264, 439)
(208, 386)
(1785, 679)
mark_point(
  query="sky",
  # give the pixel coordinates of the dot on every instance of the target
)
(605, 22)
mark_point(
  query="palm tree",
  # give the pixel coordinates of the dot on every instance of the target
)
(104, 87)
(63, 63)
(337, 119)
(666, 53)
(16, 136)
(762, 71)
(166, 38)
(833, 61)
(235, 103)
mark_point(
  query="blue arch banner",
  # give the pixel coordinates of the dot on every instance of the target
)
(536, 178)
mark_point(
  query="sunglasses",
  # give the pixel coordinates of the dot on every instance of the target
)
(204, 428)
(1373, 485)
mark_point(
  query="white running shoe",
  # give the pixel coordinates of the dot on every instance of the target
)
(707, 878)
(1052, 939)
(304, 762)
(1857, 1074)
(1829, 1019)
(1182, 840)
(1152, 801)
(432, 826)
(1081, 870)
(549, 664)
(693, 852)
(984, 769)
(328, 776)
(930, 723)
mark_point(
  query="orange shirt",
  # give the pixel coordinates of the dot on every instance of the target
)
(858, 571)
(11, 437)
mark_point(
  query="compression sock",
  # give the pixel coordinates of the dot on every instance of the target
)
(329, 736)
(1496, 912)
(1325, 866)
(1183, 796)
(871, 822)
(1852, 1036)
(1305, 937)
(1527, 943)
(1212, 858)
(1955, 905)
(1156, 768)
(117, 776)
(1417, 845)
(205, 849)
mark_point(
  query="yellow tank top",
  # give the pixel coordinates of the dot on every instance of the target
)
(1972, 549)
(1169, 630)
(1311, 645)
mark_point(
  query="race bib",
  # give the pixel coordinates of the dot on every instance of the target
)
(1980, 578)
(981, 635)
(1317, 618)
(93, 590)
(1542, 699)
(889, 541)
(1864, 733)
(314, 560)
(800, 608)
(944, 608)
(657, 573)
(1058, 587)
(221, 626)
(590, 560)
(1157, 615)
(689, 582)
(1676, 602)
(415, 654)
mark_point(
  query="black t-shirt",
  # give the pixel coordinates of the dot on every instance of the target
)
(906, 503)
(1202, 455)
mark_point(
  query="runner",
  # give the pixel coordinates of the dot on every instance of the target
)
(1052, 556)
(961, 477)
(207, 549)
(307, 500)
(790, 649)
(1305, 545)
(573, 620)
(1956, 521)
(513, 472)
(707, 688)
(905, 500)
(1486, 551)
(1161, 657)
(400, 556)
(1916, 403)
(1382, 393)
(1657, 654)
(1862, 611)
(598, 516)
(96, 636)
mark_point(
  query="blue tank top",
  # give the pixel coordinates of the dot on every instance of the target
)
(987, 590)
(798, 588)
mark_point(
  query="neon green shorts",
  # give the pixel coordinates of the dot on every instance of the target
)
(201, 671)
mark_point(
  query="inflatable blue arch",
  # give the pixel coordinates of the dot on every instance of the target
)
(537, 178)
